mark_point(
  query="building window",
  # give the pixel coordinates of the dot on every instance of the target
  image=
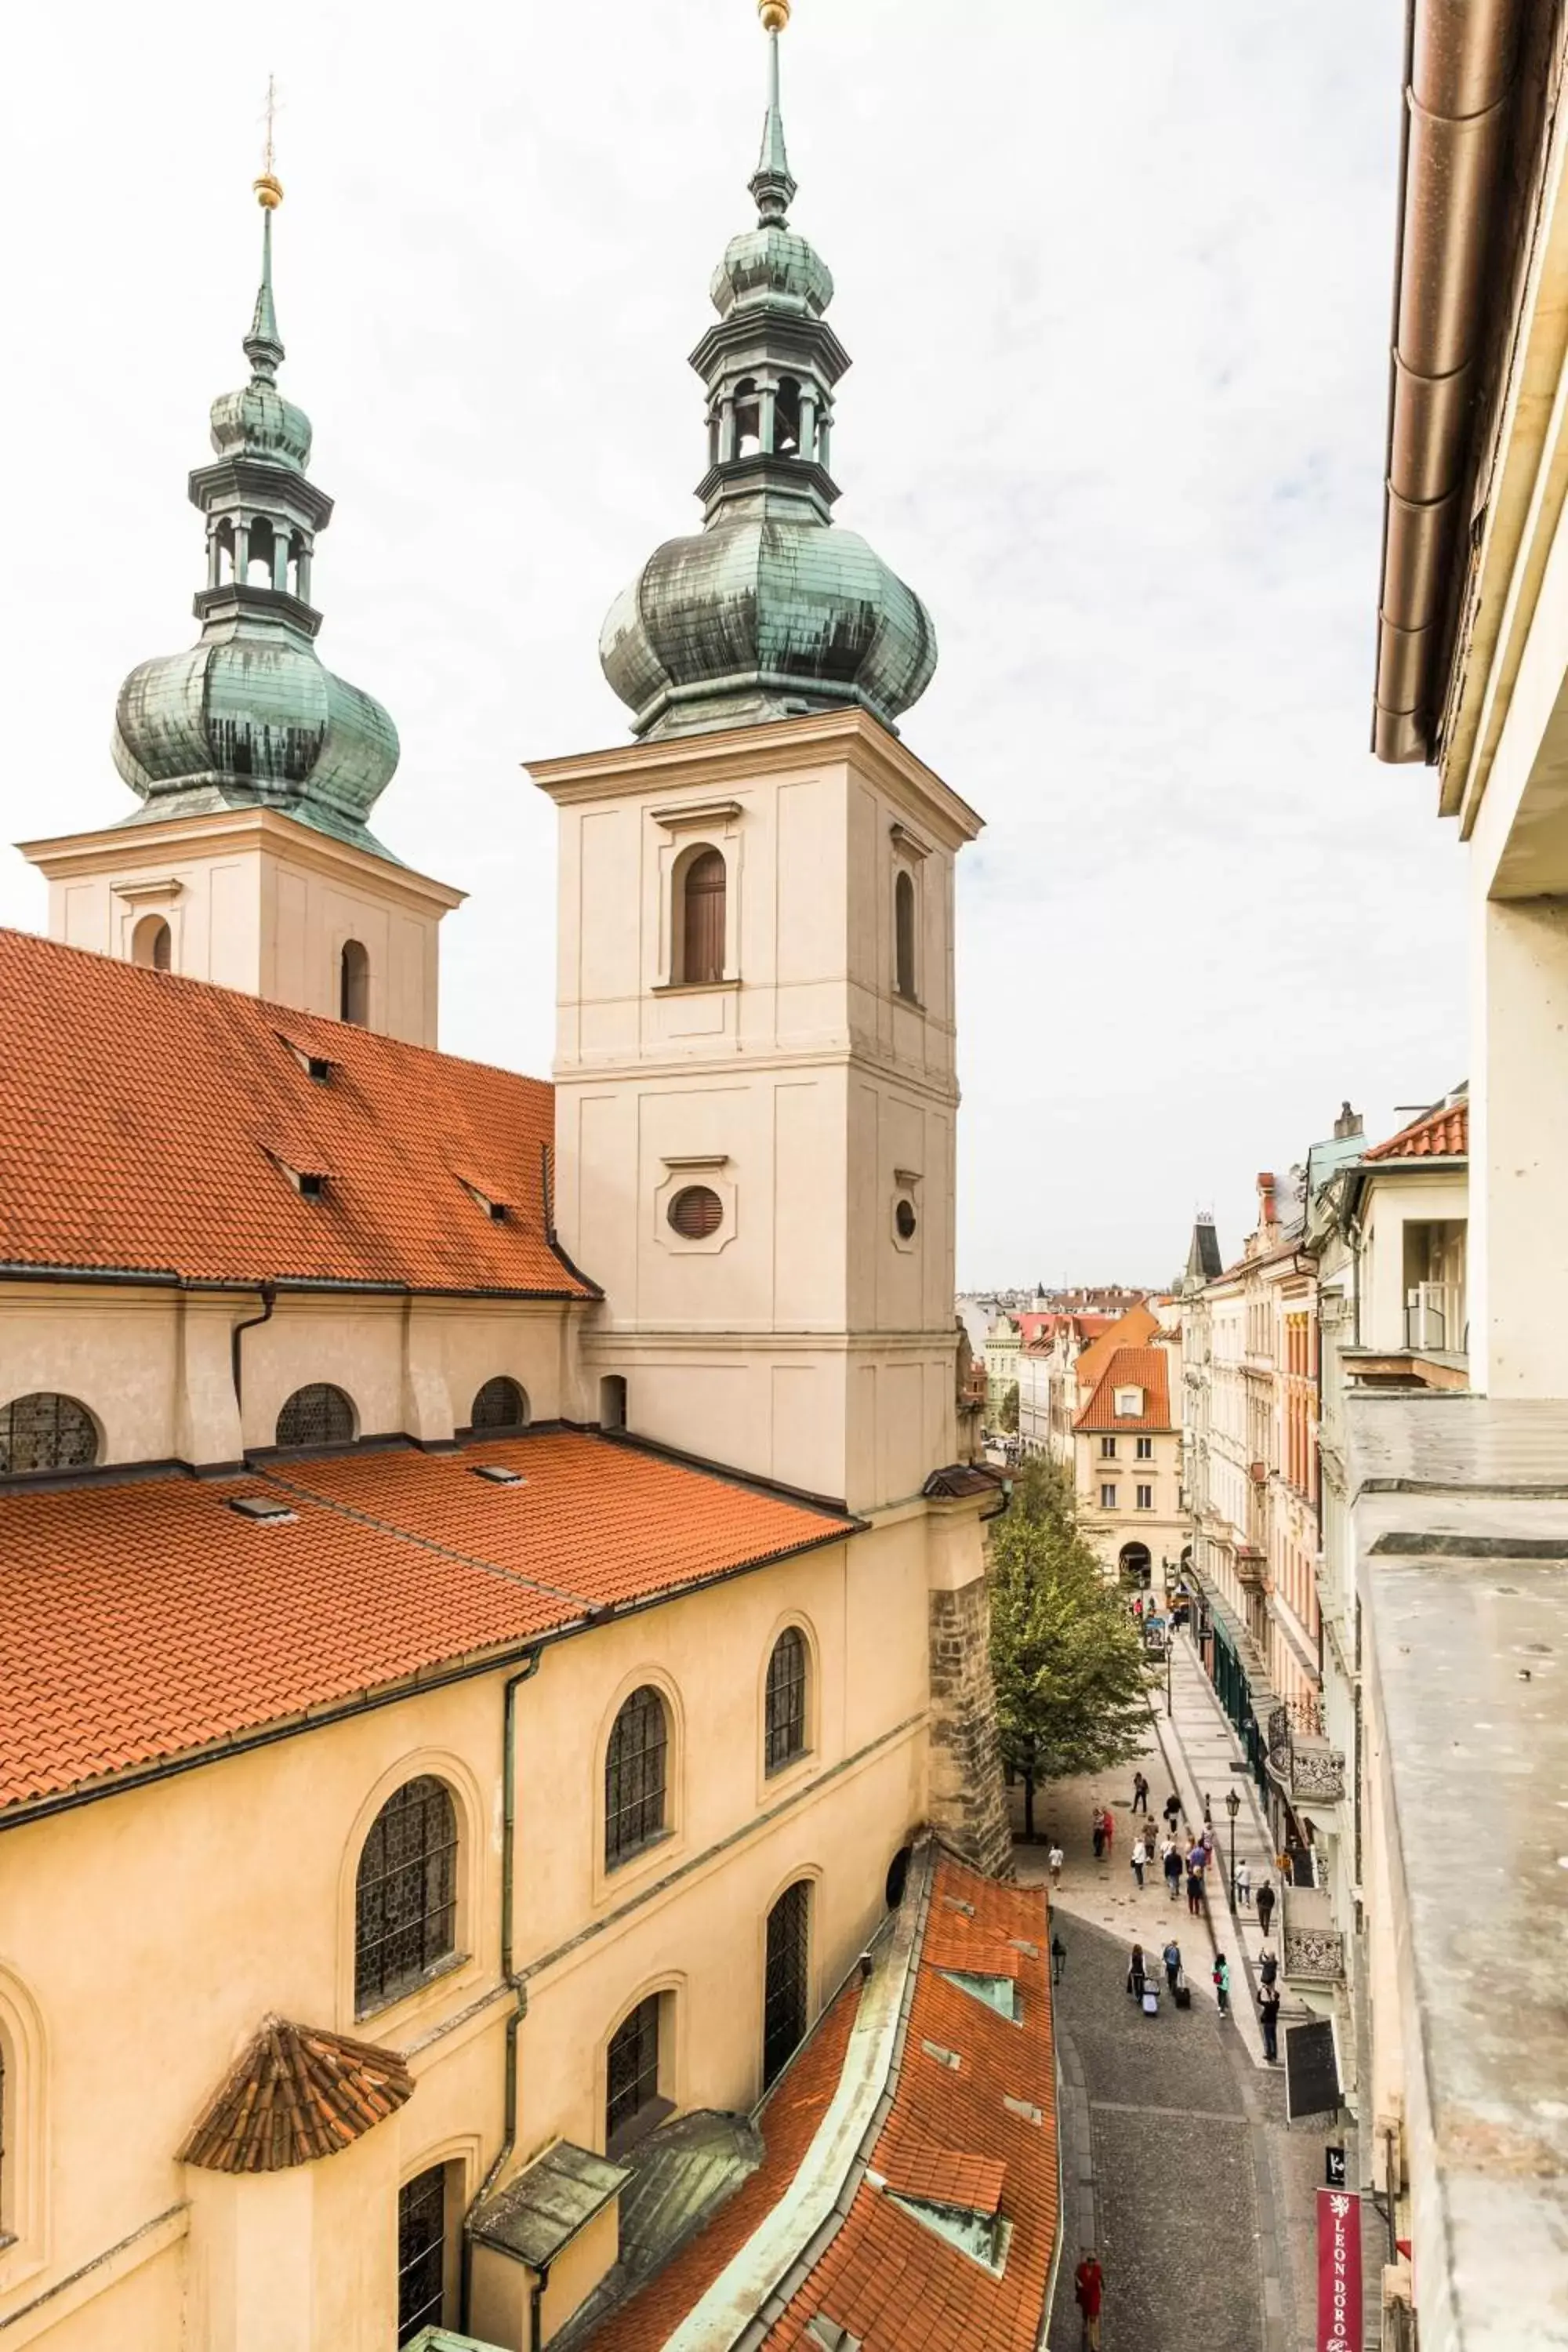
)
(635, 1763)
(785, 1985)
(786, 1700)
(1107, 1449)
(632, 2103)
(904, 934)
(905, 1221)
(1108, 1499)
(499, 1404)
(405, 1899)
(1129, 1402)
(1145, 1449)
(703, 897)
(696, 1213)
(1145, 1498)
(354, 984)
(45, 1431)
(421, 2253)
(612, 1400)
(152, 944)
(317, 1416)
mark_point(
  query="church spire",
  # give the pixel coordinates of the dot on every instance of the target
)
(772, 184)
(263, 346)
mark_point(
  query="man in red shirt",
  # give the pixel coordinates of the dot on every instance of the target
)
(1088, 2285)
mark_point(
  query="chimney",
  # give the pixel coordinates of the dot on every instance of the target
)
(1265, 1211)
(1348, 1123)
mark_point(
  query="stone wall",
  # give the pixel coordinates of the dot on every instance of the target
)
(967, 1805)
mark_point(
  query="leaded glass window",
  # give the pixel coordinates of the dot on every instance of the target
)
(421, 2251)
(317, 1415)
(405, 1905)
(785, 1737)
(785, 1986)
(499, 1404)
(632, 2069)
(635, 1763)
(45, 1431)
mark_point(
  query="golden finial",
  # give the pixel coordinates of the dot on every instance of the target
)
(774, 15)
(269, 187)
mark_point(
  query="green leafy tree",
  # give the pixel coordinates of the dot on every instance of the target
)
(1067, 1661)
(1007, 1417)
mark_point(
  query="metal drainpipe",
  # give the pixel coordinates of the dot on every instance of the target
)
(507, 1851)
(536, 2309)
(269, 1294)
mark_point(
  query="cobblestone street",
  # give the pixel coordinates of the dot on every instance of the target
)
(1178, 2163)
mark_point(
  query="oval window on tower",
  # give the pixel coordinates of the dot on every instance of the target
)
(696, 1213)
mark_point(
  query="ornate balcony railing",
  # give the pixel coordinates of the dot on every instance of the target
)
(1317, 1772)
(1314, 1949)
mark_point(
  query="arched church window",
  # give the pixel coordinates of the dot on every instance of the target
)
(318, 1414)
(152, 944)
(260, 555)
(904, 934)
(499, 1404)
(786, 418)
(635, 1765)
(748, 418)
(354, 984)
(704, 894)
(45, 1431)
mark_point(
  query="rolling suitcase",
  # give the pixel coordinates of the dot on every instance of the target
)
(1184, 1993)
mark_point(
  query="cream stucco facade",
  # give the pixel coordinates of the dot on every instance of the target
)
(253, 900)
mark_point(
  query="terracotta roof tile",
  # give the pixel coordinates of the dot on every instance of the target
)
(1441, 1134)
(1134, 1329)
(949, 2138)
(296, 2094)
(1131, 1367)
(142, 1117)
(144, 1619)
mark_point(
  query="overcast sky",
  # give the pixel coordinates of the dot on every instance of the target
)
(1116, 282)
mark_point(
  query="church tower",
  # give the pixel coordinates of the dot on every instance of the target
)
(249, 863)
(755, 1072)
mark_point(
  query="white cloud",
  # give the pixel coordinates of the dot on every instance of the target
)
(1117, 282)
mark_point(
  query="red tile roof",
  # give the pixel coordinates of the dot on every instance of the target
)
(295, 2094)
(1131, 1367)
(1134, 1329)
(143, 1619)
(949, 2137)
(146, 1124)
(1441, 1134)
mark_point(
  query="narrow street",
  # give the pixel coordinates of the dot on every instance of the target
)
(1178, 2163)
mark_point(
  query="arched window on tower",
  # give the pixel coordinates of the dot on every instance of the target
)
(748, 418)
(702, 910)
(152, 944)
(260, 555)
(354, 984)
(904, 935)
(786, 418)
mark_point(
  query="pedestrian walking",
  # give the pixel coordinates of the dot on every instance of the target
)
(1140, 1856)
(1089, 2288)
(1243, 1884)
(1140, 1793)
(1194, 1892)
(1171, 1956)
(1222, 1982)
(1173, 1811)
(1267, 1964)
(1054, 1861)
(1098, 1833)
(1265, 1904)
(1269, 2017)
(1135, 1973)
(1173, 1867)
(1108, 1826)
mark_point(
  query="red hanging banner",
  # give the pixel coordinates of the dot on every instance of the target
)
(1339, 2272)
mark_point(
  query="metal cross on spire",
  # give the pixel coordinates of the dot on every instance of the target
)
(269, 117)
(263, 345)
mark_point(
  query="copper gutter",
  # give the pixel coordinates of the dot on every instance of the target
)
(1459, 71)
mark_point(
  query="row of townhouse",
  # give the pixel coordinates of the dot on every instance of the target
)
(1351, 1288)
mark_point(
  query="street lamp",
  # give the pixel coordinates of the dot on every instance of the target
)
(1233, 1807)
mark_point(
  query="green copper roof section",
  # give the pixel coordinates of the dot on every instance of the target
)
(250, 716)
(768, 609)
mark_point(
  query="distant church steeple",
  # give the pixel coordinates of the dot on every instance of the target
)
(249, 716)
(250, 863)
(770, 610)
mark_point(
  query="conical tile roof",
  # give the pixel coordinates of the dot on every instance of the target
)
(294, 2095)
